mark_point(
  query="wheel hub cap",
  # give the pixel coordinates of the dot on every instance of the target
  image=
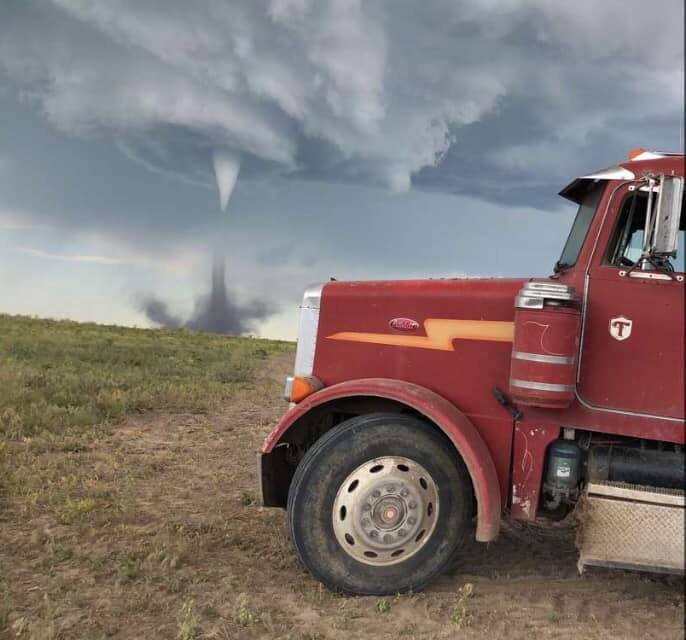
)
(385, 510)
(388, 513)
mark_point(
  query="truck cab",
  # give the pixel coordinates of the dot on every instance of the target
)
(422, 411)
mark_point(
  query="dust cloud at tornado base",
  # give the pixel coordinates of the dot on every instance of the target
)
(217, 311)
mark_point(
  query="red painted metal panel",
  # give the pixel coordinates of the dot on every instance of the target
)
(577, 416)
(464, 373)
(528, 461)
(453, 422)
(641, 370)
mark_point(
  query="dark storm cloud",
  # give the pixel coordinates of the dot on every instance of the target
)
(215, 312)
(502, 99)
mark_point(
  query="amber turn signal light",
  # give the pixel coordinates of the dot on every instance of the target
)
(634, 153)
(298, 388)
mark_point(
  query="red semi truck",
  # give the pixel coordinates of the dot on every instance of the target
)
(422, 411)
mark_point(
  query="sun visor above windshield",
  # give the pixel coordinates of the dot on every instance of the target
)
(576, 189)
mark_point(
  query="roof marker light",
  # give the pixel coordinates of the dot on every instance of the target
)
(634, 153)
(642, 154)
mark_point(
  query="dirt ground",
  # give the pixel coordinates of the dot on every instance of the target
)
(176, 547)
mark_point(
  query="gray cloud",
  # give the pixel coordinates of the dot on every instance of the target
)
(215, 312)
(486, 107)
(444, 95)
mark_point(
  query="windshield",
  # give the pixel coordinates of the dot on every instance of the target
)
(581, 223)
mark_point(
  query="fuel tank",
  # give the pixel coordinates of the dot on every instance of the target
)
(546, 342)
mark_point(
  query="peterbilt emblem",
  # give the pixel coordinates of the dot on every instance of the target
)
(620, 328)
(404, 324)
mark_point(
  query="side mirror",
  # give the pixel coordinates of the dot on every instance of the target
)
(667, 216)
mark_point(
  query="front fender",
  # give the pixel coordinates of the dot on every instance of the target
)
(437, 409)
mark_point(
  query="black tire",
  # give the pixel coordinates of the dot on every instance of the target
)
(327, 465)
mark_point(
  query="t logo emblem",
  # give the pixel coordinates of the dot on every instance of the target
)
(620, 328)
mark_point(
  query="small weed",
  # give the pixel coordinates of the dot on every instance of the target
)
(244, 615)
(459, 614)
(130, 569)
(71, 510)
(247, 499)
(188, 627)
(382, 606)
(345, 620)
(83, 505)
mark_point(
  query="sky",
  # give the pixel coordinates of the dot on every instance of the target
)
(367, 140)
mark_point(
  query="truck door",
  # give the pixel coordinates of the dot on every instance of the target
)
(632, 351)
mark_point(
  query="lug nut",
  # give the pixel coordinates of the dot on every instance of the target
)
(402, 533)
(366, 507)
(376, 493)
(412, 520)
(365, 522)
(412, 505)
(388, 538)
(390, 489)
(404, 493)
(373, 533)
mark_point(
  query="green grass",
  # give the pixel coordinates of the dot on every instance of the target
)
(62, 378)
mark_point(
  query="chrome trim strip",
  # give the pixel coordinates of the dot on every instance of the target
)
(541, 386)
(307, 331)
(616, 172)
(548, 286)
(534, 295)
(525, 302)
(649, 275)
(539, 357)
(653, 495)
(545, 290)
(288, 388)
(633, 414)
(313, 296)
(583, 329)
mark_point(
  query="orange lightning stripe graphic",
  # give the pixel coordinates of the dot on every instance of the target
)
(439, 334)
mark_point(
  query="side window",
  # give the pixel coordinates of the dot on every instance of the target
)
(627, 241)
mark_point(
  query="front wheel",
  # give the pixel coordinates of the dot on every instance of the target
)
(379, 505)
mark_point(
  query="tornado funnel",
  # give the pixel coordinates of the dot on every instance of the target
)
(226, 167)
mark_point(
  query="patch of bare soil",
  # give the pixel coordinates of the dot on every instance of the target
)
(174, 546)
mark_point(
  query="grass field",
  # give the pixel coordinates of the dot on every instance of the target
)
(66, 378)
(128, 510)
(63, 387)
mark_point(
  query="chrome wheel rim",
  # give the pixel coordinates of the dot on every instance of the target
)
(385, 510)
